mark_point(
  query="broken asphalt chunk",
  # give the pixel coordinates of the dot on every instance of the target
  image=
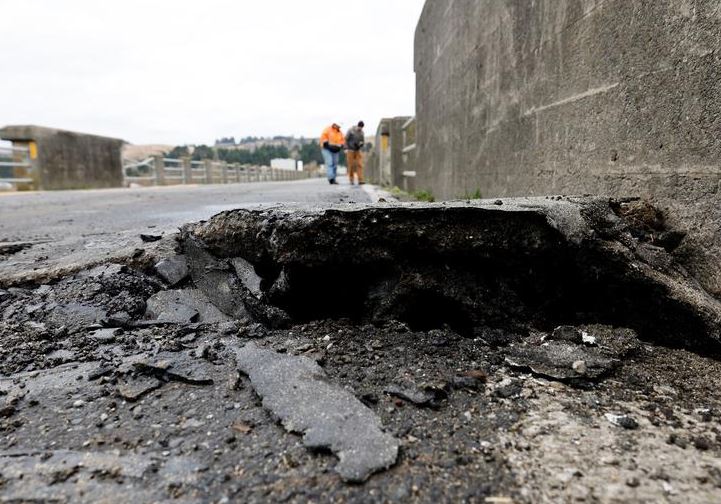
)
(183, 307)
(625, 421)
(586, 352)
(218, 279)
(472, 380)
(133, 389)
(173, 270)
(567, 333)
(508, 388)
(7, 411)
(425, 395)
(558, 360)
(104, 336)
(87, 476)
(99, 372)
(247, 275)
(177, 367)
(296, 390)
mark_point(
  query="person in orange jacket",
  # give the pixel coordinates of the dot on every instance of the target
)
(331, 143)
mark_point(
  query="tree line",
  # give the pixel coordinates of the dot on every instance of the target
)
(308, 153)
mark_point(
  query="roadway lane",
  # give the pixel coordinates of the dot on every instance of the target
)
(70, 229)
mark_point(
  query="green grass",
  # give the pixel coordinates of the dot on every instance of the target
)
(402, 195)
(424, 196)
(474, 195)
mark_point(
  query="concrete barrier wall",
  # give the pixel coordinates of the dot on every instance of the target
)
(519, 97)
(69, 160)
(385, 163)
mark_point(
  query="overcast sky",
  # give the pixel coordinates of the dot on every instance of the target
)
(191, 71)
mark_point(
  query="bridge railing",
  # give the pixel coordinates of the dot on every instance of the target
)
(16, 167)
(158, 170)
(409, 155)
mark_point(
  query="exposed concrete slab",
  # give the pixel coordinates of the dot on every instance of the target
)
(297, 391)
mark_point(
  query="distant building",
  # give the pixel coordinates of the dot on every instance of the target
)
(286, 164)
(253, 143)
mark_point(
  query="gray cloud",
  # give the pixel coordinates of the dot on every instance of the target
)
(183, 71)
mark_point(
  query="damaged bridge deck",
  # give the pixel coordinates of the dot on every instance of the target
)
(531, 350)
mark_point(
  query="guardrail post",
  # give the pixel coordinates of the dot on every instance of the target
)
(187, 170)
(159, 167)
(236, 168)
(34, 170)
(224, 167)
(208, 164)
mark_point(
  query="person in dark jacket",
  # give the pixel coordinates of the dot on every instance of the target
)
(354, 141)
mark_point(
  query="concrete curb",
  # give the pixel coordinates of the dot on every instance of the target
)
(375, 193)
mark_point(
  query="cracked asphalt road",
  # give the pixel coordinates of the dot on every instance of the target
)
(72, 229)
(488, 400)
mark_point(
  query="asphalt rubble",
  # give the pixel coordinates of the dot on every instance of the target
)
(520, 350)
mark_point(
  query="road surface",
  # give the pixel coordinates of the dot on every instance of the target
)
(65, 230)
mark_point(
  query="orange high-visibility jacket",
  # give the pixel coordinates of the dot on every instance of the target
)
(332, 136)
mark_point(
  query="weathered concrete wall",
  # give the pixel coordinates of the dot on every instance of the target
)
(69, 160)
(614, 97)
(519, 97)
(385, 164)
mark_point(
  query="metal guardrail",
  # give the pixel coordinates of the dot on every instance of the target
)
(158, 171)
(15, 166)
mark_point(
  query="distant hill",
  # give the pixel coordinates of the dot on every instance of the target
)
(140, 152)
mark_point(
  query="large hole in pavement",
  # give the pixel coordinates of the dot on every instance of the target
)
(514, 267)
